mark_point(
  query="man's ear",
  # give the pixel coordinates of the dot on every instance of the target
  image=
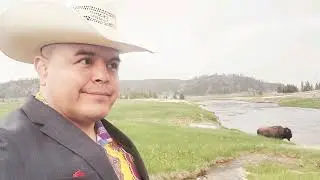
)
(41, 66)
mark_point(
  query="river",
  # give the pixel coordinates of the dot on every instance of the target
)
(248, 117)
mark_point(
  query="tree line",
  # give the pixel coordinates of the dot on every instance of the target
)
(151, 95)
(304, 86)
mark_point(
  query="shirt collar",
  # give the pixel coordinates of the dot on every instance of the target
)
(103, 137)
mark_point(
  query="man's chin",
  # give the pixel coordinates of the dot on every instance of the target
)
(97, 114)
(96, 106)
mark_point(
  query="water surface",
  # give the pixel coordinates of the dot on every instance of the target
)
(248, 117)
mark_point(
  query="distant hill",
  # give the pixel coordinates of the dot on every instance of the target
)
(198, 86)
(153, 85)
(19, 88)
(226, 84)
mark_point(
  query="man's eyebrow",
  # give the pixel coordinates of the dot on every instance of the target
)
(115, 59)
(84, 52)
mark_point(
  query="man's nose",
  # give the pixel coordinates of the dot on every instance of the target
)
(100, 72)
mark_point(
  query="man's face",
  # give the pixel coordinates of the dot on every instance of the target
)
(81, 81)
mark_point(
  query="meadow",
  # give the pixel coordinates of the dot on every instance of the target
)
(172, 149)
(301, 102)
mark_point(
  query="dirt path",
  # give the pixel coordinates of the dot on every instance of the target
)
(234, 170)
(228, 169)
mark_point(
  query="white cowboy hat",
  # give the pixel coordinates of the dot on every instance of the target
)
(27, 27)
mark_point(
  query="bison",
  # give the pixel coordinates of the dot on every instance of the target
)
(277, 132)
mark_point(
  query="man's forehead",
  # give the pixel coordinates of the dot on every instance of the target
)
(77, 49)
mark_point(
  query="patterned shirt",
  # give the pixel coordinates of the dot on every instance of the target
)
(121, 161)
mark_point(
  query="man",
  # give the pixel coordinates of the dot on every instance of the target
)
(61, 133)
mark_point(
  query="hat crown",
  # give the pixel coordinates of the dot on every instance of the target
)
(96, 12)
(27, 27)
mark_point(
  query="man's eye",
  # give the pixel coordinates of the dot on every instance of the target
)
(85, 61)
(113, 66)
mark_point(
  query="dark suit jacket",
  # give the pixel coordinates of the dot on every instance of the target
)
(37, 143)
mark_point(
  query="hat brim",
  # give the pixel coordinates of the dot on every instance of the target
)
(23, 32)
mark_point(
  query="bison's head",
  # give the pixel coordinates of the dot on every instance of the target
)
(287, 133)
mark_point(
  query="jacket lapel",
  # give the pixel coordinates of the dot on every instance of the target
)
(65, 133)
(128, 146)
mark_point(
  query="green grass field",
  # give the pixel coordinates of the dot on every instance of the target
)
(6, 107)
(153, 111)
(168, 145)
(301, 102)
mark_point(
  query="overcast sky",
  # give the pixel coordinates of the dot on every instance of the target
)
(272, 40)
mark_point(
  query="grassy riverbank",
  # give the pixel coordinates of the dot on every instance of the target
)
(288, 101)
(300, 102)
(170, 147)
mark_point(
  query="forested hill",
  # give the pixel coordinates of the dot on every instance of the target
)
(203, 85)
